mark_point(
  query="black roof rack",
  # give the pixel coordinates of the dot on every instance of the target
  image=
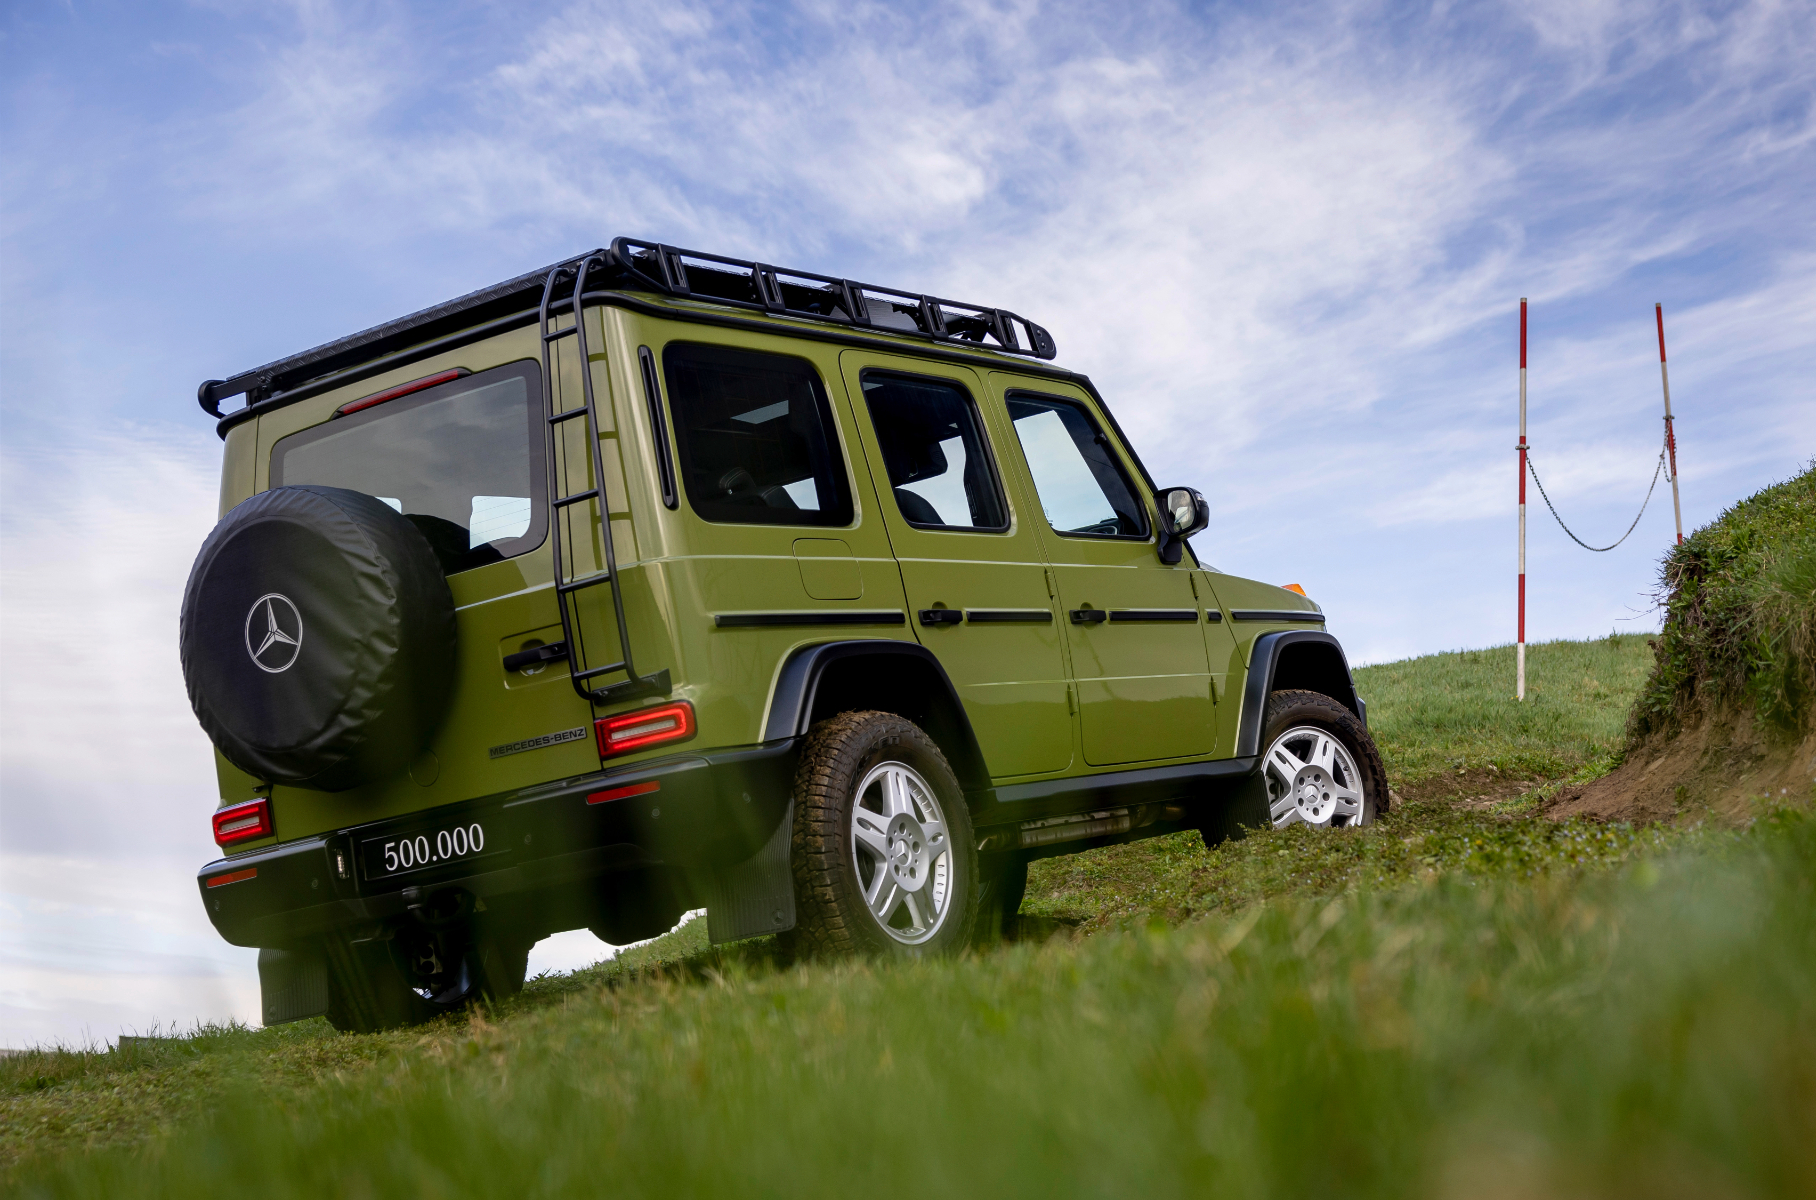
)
(631, 264)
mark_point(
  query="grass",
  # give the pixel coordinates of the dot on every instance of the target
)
(1740, 616)
(1449, 713)
(1462, 999)
(1642, 1032)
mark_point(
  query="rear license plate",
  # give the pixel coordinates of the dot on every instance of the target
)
(419, 850)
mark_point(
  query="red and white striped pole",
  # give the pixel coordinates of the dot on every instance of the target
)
(1519, 652)
(1670, 437)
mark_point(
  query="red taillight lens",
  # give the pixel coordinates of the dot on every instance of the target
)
(243, 822)
(644, 728)
(402, 389)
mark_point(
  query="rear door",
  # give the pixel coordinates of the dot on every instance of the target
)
(979, 594)
(1131, 621)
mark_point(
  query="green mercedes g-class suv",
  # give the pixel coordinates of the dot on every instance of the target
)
(657, 580)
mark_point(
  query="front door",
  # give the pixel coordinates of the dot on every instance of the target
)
(1132, 622)
(978, 591)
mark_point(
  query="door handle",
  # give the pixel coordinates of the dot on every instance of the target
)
(535, 656)
(1089, 616)
(942, 616)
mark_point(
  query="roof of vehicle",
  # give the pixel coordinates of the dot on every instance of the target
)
(632, 265)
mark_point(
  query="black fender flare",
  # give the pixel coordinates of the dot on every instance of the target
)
(812, 679)
(1308, 658)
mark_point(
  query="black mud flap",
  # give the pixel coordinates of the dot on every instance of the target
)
(293, 984)
(756, 896)
(1240, 810)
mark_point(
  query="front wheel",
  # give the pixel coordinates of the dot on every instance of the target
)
(1321, 767)
(883, 854)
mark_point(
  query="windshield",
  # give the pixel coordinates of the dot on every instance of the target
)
(463, 461)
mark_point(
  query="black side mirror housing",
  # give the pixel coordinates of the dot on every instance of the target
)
(1183, 512)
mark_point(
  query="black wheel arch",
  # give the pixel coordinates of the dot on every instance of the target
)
(904, 678)
(1308, 659)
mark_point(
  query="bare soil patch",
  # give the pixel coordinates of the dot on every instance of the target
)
(1475, 787)
(1721, 768)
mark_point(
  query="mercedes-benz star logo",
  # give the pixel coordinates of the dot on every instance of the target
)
(271, 621)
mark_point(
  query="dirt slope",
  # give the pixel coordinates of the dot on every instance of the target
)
(1722, 769)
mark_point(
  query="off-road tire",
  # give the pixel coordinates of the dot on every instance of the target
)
(831, 918)
(1287, 709)
(356, 621)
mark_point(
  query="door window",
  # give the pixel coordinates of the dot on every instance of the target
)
(755, 437)
(935, 454)
(1081, 486)
(463, 461)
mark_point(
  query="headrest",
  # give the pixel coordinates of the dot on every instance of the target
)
(912, 460)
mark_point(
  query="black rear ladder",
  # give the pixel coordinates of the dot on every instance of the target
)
(560, 518)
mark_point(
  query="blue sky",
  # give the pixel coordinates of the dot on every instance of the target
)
(1288, 241)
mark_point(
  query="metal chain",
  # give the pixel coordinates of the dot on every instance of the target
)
(1560, 521)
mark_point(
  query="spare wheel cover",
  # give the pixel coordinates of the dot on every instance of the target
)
(317, 638)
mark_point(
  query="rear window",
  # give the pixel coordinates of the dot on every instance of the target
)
(755, 437)
(938, 464)
(463, 461)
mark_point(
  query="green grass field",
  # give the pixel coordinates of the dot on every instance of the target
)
(1464, 999)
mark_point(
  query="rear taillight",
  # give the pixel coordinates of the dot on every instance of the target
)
(645, 728)
(243, 822)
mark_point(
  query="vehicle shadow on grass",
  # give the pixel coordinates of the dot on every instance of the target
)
(686, 955)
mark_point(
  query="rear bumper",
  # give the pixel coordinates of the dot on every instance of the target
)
(708, 810)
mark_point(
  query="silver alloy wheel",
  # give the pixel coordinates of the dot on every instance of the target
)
(902, 853)
(1312, 777)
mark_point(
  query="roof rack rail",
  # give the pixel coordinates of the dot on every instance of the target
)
(632, 264)
(785, 291)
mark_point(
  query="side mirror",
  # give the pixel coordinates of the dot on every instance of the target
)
(1183, 512)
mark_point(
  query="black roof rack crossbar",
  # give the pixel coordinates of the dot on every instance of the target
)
(632, 264)
(784, 291)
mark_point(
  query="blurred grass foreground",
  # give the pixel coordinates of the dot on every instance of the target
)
(1465, 999)
(1643, 1031)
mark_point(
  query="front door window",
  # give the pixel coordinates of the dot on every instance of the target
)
(1083, 489)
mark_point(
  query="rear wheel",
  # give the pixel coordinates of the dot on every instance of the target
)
(883, 855)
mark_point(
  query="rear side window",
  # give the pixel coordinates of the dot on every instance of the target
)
(938, 463)
(754, 432)
(463, 461)
(1082, 487)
